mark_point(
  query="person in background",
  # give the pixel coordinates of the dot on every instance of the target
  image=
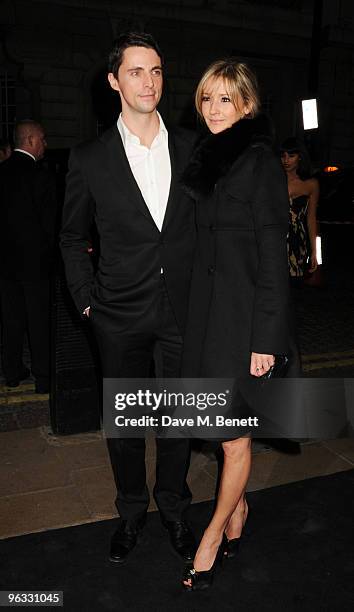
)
(27, 236)
(5, 150)
(303, 196)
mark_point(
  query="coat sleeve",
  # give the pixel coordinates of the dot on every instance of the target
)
(270, 206)
(75, 235)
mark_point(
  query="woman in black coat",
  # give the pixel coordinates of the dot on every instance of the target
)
(239, 306)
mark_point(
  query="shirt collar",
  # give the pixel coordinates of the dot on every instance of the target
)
(26, 153)
(128, 136)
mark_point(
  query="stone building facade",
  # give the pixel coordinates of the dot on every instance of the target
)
(53, 61)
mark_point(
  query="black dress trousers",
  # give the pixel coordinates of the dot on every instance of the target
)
(128, 355)
(25, 305)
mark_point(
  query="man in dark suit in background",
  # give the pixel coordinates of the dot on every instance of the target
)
(127, 183)
(27, 231)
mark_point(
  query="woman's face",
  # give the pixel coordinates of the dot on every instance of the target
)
(218, 110)
(290, 161)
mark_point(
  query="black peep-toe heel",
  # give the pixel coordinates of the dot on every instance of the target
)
(204, 579)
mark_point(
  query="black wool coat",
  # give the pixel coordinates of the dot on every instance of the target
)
(239, 299)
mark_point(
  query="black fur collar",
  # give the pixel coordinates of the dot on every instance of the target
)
(215, 154)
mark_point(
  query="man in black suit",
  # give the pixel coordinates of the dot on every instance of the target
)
(127, 183)
(27, 219)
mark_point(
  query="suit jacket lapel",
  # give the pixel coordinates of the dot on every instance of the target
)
(120, 170)
(174, 187)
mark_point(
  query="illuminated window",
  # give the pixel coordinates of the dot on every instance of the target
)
(309, 114)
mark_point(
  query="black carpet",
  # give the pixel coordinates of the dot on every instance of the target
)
(298, 555)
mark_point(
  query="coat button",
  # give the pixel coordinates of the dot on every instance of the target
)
(211, 270)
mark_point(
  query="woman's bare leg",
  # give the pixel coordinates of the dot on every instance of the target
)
(237, 520)
(234, 477)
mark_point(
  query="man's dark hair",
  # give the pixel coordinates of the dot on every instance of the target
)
(130, 39)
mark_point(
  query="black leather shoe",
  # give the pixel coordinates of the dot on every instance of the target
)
(14, 382)
(124, 540)
(182, 539)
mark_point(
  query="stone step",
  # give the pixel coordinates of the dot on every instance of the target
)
(22, 408)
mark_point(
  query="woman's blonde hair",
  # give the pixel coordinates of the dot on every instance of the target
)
(239, 80)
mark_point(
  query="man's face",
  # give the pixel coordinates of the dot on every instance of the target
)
(38, 143)
(139, 81)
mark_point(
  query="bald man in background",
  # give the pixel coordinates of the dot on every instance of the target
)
(27, 234)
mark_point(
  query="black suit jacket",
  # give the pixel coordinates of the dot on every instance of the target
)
(101, 189)
(27, 219)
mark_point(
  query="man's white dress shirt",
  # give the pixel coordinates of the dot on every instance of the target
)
(26, 153)
(151, 168)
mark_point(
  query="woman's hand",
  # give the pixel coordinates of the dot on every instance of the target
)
(260, 363)
(313, 263)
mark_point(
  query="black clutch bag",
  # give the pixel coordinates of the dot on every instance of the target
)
(278, 369)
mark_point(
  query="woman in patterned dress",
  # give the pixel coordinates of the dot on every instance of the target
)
(303, 197)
